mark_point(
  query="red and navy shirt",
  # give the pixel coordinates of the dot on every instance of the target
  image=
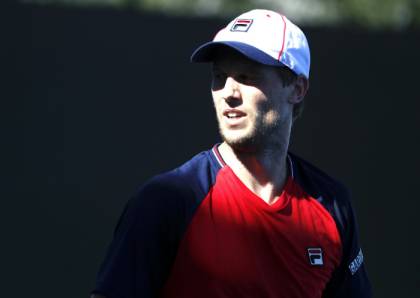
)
(198, 231)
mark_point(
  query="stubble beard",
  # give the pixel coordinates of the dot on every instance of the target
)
(261, 136)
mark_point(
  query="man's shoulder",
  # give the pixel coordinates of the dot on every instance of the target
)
(189, 181)
(328, 191)
(316, 181)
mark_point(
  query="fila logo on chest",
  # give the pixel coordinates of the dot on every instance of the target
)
(315, 256)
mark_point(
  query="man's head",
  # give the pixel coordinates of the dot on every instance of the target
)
(260, 76)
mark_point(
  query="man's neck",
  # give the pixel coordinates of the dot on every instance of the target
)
(264, 172)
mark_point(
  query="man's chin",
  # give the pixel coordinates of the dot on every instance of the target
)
(242, 144)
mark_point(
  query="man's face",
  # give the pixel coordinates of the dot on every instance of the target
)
(252, 105)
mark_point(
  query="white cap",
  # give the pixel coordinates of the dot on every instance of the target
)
(264, 36)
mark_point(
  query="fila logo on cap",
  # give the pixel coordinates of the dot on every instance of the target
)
(241, 25)
(315, 256)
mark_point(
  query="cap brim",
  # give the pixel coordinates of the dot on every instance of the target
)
(206, 52)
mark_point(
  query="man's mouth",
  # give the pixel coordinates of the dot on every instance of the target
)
(233, 114)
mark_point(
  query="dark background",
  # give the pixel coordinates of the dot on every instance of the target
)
(96, 101)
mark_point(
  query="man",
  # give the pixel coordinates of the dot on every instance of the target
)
(246, 218)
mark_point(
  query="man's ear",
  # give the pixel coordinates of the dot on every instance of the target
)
(300, 87)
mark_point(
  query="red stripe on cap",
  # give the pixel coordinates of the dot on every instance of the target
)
(244, 21)
(284, 37)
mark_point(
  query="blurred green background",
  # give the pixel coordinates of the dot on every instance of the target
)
(83, 79)
(365, 13)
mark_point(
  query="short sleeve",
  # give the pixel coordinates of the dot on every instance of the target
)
(141, 253)
(350, 280)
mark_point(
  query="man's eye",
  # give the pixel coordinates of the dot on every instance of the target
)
(243, 77)
(218, 75)
(246, 78)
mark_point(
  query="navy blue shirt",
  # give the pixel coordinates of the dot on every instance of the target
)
(191, 232)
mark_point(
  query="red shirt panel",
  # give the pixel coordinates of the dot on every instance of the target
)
(237, 245)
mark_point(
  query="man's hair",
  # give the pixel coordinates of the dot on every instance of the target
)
(289, 77)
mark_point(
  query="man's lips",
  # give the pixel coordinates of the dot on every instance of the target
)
(233, 113)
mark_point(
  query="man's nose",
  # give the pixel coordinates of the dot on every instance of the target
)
(231, 91)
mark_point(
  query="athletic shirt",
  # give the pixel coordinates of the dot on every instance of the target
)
(198, 231)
